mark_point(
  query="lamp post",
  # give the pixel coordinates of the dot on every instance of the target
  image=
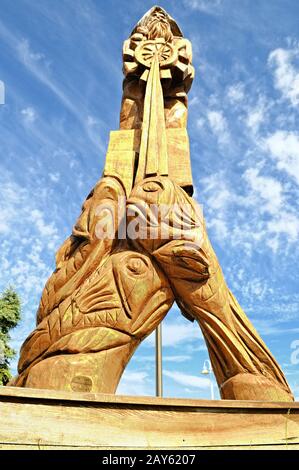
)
(207, 370)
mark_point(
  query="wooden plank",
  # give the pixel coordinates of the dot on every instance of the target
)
(41, 394)
(43, 419)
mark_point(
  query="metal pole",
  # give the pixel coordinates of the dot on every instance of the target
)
(159, 385)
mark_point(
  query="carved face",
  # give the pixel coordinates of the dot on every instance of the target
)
(157, 13)
(158, 26)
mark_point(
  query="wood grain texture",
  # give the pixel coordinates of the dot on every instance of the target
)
(42, 419)
(124, 148)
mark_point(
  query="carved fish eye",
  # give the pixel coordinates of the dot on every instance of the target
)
(151, 187)
(137, 266)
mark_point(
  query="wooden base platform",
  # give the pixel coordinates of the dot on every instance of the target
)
(45, 419)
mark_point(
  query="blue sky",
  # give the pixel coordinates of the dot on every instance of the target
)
(60, 62)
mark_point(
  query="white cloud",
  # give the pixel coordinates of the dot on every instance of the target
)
(178, 358)
(91, 121)
(26, 53)
(217, 192)
(273, 244)
(267, 188)
(36, 64)
(256, 116)
(255, 288)
(55, 177)
(262, 213)
(73, 99)
(166, 358)
(194, 101)
(24, 249)
(94, 129)
(11, 203)
(284, 148)
(30, 236)
(193, 348)
(200, 122)
(218, 198)
(4, 226)
(174, 334)
(29, 115)
(235, 93)
(188, 380)
(220, 227)
(287, 224)
(269, 328)
(219, 126)
(286, 74)
(268, 198)
(29, 274)
(45, 229)
(134, 383)
(207, 6)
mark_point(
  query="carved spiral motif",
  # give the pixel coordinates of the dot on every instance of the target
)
(146, 51)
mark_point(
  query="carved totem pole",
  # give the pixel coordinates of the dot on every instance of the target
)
(109, 292)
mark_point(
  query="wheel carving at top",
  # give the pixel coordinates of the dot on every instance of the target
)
(146, 51)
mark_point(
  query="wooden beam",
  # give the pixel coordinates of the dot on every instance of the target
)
(44, 419)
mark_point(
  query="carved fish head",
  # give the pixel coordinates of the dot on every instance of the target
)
(143, 289)
(128, 292)
(158, 210)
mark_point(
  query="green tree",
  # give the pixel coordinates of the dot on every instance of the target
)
(10, 314)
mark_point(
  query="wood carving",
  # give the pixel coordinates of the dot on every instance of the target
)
(139, 244)
(156, 32)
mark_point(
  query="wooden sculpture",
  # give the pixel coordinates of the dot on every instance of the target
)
(115, 282)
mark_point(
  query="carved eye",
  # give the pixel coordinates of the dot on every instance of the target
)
(137, 266)
(151, 187)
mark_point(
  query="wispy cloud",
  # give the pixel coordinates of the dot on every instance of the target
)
(206, 6)
(134, 383)
(175, 334)
(267, 189)
(256, 115)
(28, 114)
(285, 65)
(219, 126)
(35, 62)
(178, 358)
(236, 93)
(40, 67)
(284, 148)
(187, 380)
